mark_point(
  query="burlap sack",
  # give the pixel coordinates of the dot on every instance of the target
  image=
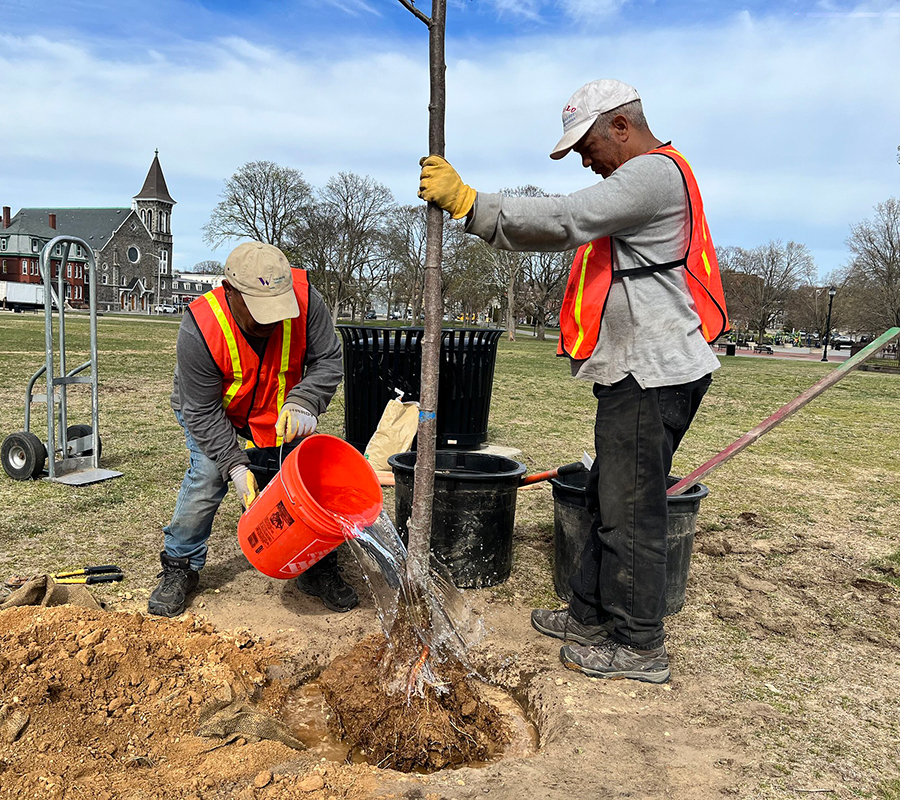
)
(42, 590)
(394, 434)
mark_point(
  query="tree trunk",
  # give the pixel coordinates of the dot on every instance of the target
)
(423, 488)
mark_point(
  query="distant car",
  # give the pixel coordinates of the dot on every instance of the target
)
(395, 315)
(371, 315)
(841, 341)
(166, 309)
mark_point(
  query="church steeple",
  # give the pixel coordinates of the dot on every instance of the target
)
(154, 187)
(154, 204)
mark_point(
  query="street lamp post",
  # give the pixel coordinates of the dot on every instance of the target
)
(831, 293)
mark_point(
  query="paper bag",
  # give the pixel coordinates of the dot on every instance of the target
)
(394, 434)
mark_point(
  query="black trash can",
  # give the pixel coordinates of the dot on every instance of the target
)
(730, 349)
(378, 361)
(572, 524)
(473, 514)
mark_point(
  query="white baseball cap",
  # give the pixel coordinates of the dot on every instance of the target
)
(262, 274)
(588, 103)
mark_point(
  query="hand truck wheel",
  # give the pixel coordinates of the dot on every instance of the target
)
(23, 456)
(76, 432)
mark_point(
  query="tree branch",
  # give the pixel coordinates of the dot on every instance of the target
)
(408, 5)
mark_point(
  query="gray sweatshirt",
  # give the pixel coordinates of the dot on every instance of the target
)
(197, 387)
(650, 327)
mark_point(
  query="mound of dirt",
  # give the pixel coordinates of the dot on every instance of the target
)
(106, 705)
(366, 687)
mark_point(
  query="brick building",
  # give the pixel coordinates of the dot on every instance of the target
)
(132, 247)
(21, 242)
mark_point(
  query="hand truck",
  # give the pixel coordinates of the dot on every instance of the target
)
(74, 451)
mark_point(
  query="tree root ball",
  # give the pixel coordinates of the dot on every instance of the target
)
(442, 729)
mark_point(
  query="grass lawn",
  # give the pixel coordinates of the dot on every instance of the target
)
(836, 462)
(797, 563)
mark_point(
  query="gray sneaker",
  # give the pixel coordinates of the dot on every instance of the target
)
(562, 625)
(613, 660)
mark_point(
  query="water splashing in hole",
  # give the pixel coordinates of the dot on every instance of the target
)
(409, 701)
(437, 613)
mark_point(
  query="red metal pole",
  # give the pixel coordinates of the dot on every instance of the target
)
(784, 412)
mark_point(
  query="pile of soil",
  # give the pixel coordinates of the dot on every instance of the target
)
(105, 705)
(368, 688)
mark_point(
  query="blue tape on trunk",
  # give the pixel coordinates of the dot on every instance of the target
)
(425, 416)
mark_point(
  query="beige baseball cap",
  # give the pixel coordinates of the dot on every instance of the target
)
(261, 273)
(588, 103)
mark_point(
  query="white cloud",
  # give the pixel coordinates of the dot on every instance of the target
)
(591, 9)
(792, 125)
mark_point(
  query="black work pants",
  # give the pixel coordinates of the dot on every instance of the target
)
(622, 575)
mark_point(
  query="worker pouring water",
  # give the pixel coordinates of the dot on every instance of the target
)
(258, 359)
(647, 266)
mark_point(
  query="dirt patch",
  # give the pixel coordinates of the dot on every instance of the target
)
(376, 709)
(105, 705)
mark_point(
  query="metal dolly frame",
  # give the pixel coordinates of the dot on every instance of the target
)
(75, 461)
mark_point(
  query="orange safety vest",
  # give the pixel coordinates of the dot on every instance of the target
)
(592, 275)
(253, 389)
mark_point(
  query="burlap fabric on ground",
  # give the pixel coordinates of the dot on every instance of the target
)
(42, 590)
(232, 717)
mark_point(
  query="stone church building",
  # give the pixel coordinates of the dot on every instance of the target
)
(132, 246)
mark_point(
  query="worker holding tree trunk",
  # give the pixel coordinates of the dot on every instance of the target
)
(259, 360)
(643, 300)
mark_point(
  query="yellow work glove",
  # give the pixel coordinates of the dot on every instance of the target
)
(440, 183)
(244, 484)
(295, 422)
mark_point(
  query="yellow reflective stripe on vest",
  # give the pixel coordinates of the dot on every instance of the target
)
(232, 349)
(285, 362)
(579, 297)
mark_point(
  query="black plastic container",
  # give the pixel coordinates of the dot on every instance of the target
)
(474, 512)
(377, 361)
(572, 524)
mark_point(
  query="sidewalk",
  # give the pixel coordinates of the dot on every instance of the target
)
(815, 354)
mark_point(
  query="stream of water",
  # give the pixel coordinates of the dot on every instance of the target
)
(441, 619)
(438, 612)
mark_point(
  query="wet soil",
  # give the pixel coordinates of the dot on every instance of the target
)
(452, 723)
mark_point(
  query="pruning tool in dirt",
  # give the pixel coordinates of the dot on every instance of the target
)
(107, 573)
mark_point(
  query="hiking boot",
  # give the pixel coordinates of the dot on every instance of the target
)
(178, 580)
(562, 625)
(613, 660)
(323, 580)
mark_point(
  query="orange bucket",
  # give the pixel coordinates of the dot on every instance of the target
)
(300, 516)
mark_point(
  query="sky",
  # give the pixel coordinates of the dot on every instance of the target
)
(788, 112)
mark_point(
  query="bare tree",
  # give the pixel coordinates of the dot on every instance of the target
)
(208, 268)
(261, 201)
(511, 269)
(405, 246)
(544, 279)
(760, 281)
(875, 266)
(806, 308)
(466, 281)
(341, 239)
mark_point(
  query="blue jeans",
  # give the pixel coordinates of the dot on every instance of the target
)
(200, 496)
(622, 575)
